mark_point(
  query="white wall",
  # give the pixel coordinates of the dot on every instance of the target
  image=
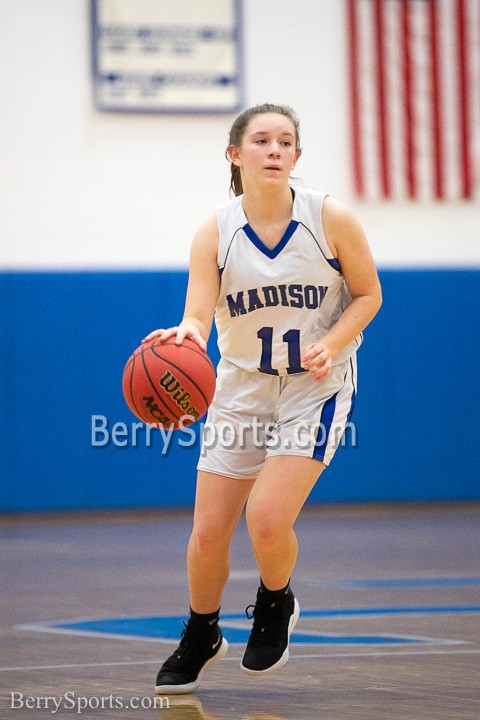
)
(85, 189)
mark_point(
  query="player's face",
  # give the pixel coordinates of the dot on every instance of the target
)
(268, 152)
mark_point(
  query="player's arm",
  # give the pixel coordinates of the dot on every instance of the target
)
(202, 291)
(349, 245)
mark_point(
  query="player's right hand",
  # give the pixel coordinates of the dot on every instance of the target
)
(182, 331)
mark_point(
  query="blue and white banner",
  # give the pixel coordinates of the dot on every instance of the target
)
(170, 56)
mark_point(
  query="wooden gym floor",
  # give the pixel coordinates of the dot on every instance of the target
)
(389, 630)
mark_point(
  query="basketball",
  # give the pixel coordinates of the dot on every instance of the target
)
(165, 384)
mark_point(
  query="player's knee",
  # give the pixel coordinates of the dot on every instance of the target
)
(264, 526)
(209, 537)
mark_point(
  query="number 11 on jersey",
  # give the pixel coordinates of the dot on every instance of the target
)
(292, 338)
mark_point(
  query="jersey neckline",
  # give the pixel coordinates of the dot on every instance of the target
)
(277, 249)
(258, 242)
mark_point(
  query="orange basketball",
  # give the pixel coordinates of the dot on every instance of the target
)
(165, 384)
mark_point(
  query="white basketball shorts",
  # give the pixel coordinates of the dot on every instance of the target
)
(255, 415)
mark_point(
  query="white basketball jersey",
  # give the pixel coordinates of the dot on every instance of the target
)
(273, 302)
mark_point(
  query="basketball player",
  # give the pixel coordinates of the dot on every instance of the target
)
(289, 276)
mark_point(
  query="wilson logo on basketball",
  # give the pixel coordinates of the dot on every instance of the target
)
(178, 393)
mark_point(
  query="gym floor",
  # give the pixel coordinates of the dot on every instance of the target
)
(389, 626)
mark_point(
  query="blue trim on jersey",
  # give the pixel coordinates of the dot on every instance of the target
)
(335, 264)
(271, 252)
(326, 419)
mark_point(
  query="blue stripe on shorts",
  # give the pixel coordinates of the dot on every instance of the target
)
(328, 411)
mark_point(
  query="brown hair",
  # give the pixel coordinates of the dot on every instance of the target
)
(240, 125)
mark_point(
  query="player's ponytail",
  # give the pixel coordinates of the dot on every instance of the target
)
(236, 185)
(238, 129)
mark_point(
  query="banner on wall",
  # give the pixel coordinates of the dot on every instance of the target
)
(414, 71)
(174, 56)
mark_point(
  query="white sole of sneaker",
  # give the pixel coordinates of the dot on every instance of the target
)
(190, 687)
(284, 659)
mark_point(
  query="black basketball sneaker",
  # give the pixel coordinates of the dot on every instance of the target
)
(199, 649)
(273, 622)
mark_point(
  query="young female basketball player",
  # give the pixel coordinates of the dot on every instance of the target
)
(289, 276)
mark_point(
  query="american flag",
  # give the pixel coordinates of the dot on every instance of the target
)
(414, 74)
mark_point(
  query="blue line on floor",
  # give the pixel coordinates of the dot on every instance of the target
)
(169, 627)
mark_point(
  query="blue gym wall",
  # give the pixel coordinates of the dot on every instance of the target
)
(66, 337)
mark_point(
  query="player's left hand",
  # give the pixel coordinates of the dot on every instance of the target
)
(317, 359)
